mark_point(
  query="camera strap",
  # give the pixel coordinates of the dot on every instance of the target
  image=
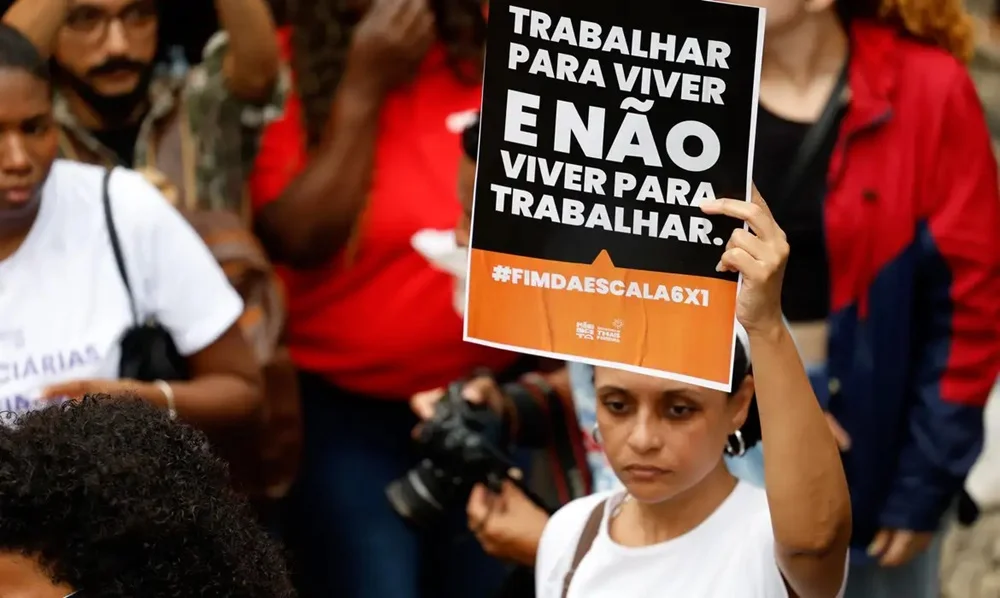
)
(567, 444)
(559, 433)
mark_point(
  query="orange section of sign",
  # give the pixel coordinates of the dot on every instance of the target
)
(668, 322)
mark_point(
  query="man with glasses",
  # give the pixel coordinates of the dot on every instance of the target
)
(193, 134)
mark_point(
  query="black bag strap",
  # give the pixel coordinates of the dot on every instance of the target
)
(116, 245)
(815, 136)
(587, 537)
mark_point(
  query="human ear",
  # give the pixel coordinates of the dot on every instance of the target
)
(739, 403)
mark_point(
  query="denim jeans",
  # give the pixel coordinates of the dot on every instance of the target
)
(916, 579)
(345, 539)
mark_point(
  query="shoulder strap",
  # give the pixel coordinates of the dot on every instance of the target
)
(115, 244)
(590, 530)
(816, 135)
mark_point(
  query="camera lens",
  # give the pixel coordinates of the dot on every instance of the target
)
(423, 494)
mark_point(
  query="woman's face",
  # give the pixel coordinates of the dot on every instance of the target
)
(663, 437)
(28, 141)
(22, 577)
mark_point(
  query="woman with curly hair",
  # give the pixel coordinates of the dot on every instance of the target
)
(365, 157)
(110, 498)
(873, 152)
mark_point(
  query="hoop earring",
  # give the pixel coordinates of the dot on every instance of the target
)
(595, 433)
(737, 448)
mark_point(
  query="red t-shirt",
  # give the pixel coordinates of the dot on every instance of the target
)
(384, 324)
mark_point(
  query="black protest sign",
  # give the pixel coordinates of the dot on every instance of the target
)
(604, 127)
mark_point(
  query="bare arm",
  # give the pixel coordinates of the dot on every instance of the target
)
(806, 488)
(313, 218)
(38, 20)
(224, 389)
(225, 385)
(252, 62)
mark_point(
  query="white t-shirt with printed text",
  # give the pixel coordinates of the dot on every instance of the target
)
(63, 305)
(729, 554)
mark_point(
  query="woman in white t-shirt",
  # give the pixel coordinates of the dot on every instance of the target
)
(63, 303)
(684, 526)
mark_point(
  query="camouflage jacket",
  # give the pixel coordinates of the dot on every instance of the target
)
(196, 136)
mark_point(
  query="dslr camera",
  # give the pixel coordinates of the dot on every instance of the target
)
(461, 445)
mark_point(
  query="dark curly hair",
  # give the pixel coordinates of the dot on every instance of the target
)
(116, 500)
(321, 33)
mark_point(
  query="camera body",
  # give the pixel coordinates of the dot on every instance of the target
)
(462, 445)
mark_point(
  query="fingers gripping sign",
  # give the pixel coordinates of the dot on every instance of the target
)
(758, 254)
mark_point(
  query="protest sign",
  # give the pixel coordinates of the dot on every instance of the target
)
(604, 126)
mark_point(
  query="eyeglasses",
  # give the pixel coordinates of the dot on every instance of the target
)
(93, 22)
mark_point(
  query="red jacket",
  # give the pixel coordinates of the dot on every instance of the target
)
(913, 236)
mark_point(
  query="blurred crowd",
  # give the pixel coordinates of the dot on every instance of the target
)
(233, 238)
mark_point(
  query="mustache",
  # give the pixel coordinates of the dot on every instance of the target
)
(114, 65)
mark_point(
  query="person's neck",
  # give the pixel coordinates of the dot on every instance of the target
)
(661, 522)
(810, 50)
(801, 67)
(93, 120)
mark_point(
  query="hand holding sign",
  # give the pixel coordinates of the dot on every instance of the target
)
(605, 127)
(760, 256)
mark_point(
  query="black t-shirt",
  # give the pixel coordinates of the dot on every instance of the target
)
(805, 295)
(121, 141)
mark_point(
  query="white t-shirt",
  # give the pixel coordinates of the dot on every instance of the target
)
(730, 554)
(63, 305)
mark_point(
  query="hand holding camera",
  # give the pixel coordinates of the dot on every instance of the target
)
(482, 390)
(464, 442)
(507, 524)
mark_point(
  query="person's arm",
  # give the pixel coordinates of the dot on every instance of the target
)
(806, 487)
(38, 20)
(311, 220)
(252, 63)
(229, 122)
(225, 385)
(956, 318)
(188, 293)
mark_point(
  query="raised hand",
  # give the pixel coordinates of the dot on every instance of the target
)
(760, 255)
